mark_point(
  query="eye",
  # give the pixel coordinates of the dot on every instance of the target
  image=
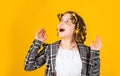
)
(67, 21)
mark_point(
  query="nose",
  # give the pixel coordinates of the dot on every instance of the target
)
(61, 23)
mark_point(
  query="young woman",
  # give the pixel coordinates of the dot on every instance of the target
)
(68, 56)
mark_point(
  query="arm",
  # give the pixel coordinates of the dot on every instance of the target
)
(94, 63)
(34, 59)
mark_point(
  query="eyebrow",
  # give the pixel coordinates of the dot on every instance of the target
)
(66, 18)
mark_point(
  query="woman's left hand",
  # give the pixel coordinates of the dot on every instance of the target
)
(97, 45)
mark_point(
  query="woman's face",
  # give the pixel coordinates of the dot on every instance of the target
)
(65, 26)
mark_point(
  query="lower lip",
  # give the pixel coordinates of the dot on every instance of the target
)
(61, 31)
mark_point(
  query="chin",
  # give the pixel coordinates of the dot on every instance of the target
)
(60, 35)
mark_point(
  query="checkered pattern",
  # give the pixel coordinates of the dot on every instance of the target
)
(34, 59)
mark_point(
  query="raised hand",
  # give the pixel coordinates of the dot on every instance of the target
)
(40, 35)
(97, 45)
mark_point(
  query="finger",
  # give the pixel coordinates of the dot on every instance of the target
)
(40, 33)
(44, 38)
(41, 30)
(43, 34)
(98, 40)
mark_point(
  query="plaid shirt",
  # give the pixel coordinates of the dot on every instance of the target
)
(34, 59)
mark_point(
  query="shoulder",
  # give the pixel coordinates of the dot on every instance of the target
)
(56, 42)
(84, 48)
(82, 45)
(51, 45)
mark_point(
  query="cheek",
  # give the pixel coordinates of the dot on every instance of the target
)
(70, 29)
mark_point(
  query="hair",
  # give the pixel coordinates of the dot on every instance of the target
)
(80, 27)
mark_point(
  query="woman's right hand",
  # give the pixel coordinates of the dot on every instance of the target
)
(40, 35)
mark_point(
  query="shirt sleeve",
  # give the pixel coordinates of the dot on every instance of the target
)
(94, 64)
(34, 60)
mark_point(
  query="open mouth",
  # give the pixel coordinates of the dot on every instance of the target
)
(61, 30)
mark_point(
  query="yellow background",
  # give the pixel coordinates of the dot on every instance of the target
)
(20, 19)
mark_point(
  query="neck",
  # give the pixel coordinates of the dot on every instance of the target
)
(67, 43)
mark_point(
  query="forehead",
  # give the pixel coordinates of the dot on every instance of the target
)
(66, 16)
